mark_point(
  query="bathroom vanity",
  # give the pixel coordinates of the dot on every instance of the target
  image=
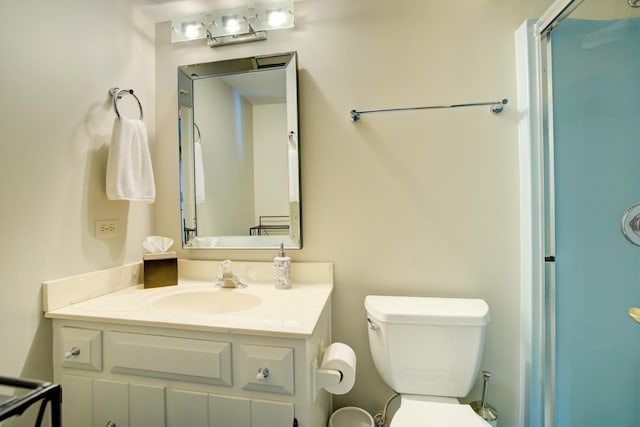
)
(196, 355)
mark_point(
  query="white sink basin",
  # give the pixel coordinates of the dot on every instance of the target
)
(205, 301)
(197, 304)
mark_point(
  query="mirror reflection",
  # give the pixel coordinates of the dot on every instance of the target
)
(239, 157)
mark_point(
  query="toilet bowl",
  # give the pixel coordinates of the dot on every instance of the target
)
(429, 351)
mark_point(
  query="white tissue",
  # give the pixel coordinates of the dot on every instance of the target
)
(157, 244)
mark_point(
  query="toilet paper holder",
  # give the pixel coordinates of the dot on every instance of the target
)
(325, 377)
(321, 378)
(326, 372)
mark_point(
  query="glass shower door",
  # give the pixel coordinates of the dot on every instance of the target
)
(596, 150)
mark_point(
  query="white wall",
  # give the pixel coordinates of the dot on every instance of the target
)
(227, 153)
(59, 60)
(413, 203)
(416, 203)
(270, 160)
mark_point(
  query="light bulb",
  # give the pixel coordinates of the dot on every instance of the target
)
(191, 31)
(276, 17)
(232, 25)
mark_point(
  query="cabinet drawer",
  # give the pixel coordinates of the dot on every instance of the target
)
(81, 348)
(254, 360)
(185, 359)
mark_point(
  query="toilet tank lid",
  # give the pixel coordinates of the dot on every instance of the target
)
(427, 310)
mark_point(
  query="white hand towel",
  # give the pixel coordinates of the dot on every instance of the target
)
(129, 169)
(198, 169)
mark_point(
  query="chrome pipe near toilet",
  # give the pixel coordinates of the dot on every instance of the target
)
(484, 408)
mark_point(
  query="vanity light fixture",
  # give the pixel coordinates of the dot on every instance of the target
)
(237, 25)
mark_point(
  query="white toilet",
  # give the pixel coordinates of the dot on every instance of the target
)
(429, 351)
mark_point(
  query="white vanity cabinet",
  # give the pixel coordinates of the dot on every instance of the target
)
(128, 375)
(194, 354)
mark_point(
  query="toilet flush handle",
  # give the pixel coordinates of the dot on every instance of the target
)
(372, 325)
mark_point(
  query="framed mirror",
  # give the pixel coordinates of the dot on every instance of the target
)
(239, 153)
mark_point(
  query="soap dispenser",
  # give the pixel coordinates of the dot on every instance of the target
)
(282, 270)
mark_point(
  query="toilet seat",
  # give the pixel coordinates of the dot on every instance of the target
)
(419, 411)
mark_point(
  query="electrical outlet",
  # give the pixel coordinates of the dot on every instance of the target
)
(107, 228)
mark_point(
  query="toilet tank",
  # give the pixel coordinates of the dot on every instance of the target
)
(427, 346)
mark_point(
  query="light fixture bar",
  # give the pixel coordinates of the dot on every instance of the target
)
(235, 39)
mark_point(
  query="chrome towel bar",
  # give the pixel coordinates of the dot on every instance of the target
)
(494, 107)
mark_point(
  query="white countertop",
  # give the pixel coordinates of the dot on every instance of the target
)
(289, 312)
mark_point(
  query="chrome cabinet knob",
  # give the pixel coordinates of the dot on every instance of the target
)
(263, 373)
(110, 424)
(75, 351)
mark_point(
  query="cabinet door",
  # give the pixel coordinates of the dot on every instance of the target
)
(77, 401)
(229, 411)
(265, 413)
(110, 403)
(187, 408)
(146, 405)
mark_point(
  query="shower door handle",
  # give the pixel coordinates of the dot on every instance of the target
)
(630, 225)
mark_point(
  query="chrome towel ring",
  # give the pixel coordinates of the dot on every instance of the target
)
(117, 93)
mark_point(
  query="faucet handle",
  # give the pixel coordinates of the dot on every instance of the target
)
(226, 278)
(225, 266)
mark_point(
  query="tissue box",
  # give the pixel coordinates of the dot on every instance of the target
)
(160, 269)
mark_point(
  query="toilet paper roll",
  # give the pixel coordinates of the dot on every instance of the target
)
(340, 357)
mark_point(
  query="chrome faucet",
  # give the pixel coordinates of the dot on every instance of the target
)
(226, 279)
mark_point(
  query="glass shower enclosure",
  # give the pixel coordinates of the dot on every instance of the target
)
(579, 77)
